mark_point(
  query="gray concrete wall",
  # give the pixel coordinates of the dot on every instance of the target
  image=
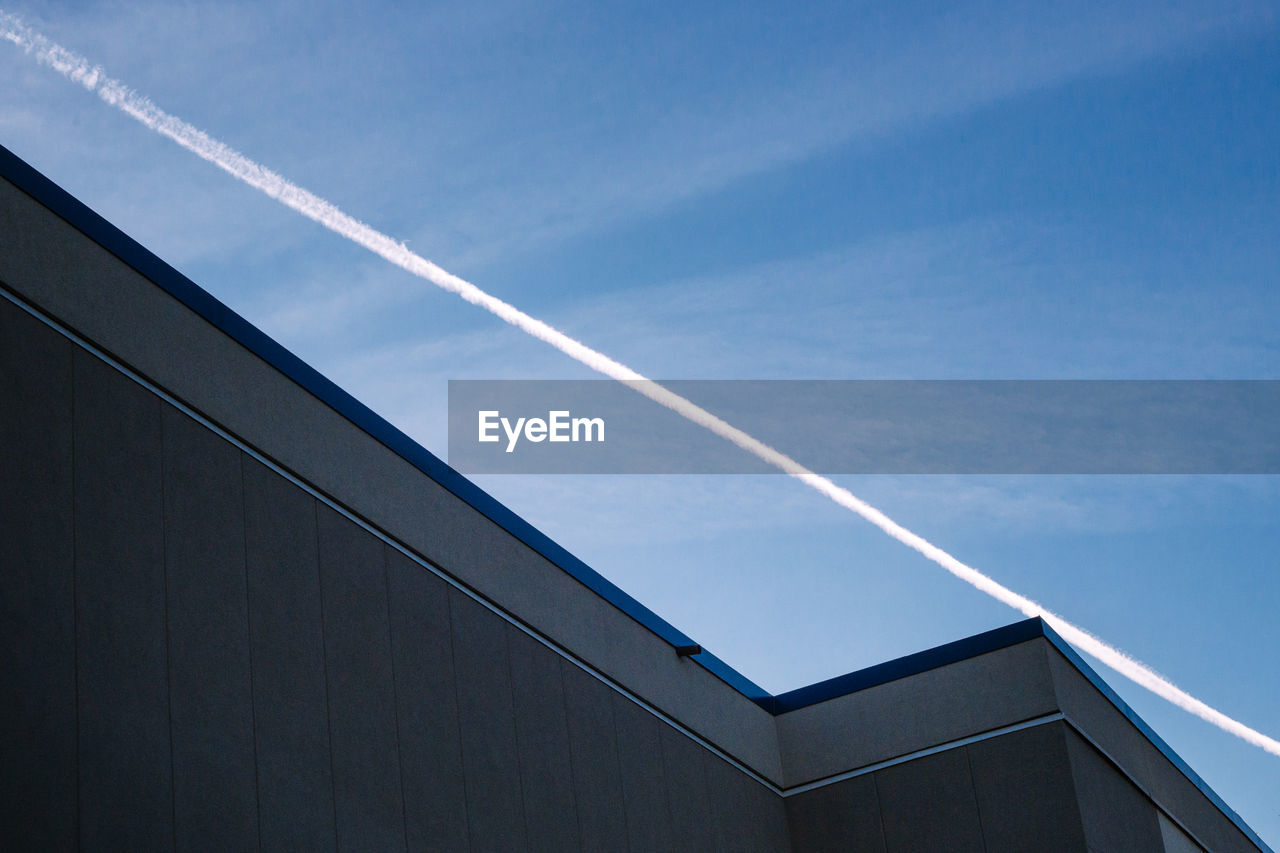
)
(38, 681)
(212, 658)
(1113, 736)
(1116, 815)
(55, 268)
(1122, 783)
(1042, 788)
(889, 720)
(1007, 793)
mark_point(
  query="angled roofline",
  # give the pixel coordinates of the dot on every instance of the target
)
(196, 298)
(1158, 742)
(980, 644)
(199, 300)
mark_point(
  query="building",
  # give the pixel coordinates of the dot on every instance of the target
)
(241, 611)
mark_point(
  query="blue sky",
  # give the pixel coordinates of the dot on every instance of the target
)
(848, 190)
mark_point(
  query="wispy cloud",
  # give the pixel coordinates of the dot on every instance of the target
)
(506, 157)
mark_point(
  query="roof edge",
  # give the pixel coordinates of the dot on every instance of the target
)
(167, 278)
(88, 222)
(1078, 661)
(904, 667)
(991, 641)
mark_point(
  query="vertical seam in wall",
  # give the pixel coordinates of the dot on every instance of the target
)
(704, 768)
(395, 693)
(324, 655)
(457, 703)
(1076, 809)
(875, 789)
(786, 813)
(573, 773)
(666, 782)
(775, 724)
(248, 616)
(568, 737)
(515, 728)
(617, 762)
(168, 651)
(977, 805)
(457, 713)
(75, 600)
(670, 792)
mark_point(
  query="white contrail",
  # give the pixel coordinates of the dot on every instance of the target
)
(115, 93)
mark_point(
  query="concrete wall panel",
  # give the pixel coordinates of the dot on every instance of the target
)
(1117, 817)
(126, 784)
(929, 804)
(427, 707)
(688, 800)
(542, 732)
(291, 704)
(840, 817)
(210, 686)
(1025, 795)
(1175, 840)
(495, 806)
(747, 815)
(644, 787)
(1102, 722)
(893, 719)
(357, 639)
(37, 597)
(593, 747)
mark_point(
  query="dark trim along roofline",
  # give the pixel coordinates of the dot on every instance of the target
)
(132, 253)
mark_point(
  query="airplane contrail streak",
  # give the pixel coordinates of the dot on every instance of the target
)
(115, 93)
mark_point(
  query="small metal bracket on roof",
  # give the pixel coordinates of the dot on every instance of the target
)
(689, 651)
